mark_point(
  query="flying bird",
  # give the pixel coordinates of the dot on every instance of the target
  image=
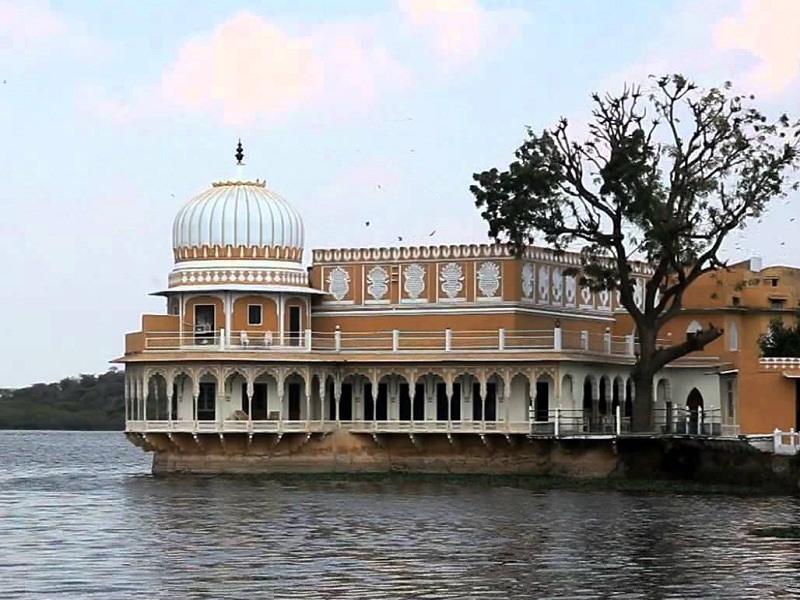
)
(431, 233)
(399, 238)
(366, 224)
(379, 186)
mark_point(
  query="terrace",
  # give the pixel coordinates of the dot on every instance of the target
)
(390, 341)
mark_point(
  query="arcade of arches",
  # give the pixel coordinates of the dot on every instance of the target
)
(252, 392)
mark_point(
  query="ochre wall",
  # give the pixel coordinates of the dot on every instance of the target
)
(160, 323)
(269, 314)
(219, 315)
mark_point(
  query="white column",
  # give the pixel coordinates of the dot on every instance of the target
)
(281, 309)
(228, 304)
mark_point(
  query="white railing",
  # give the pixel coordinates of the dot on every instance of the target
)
(425, 341)
(674, 421)
(558, 423)
(786, 442)
(286, 426)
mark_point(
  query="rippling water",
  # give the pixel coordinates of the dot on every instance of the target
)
(80, 517)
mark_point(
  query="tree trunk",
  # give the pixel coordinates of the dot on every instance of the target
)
(643, 373)
(642, 401)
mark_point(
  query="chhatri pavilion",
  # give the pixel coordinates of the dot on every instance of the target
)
(452, 342)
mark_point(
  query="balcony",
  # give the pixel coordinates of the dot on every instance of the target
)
(389, 342)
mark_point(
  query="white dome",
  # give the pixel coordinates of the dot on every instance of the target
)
(239, 214)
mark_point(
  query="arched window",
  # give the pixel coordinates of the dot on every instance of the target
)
(733, 337)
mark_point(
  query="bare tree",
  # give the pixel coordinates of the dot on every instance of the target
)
(664, 175)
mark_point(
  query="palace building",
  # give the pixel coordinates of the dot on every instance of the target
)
(449, 342)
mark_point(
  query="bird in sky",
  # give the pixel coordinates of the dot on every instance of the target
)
(399, 238)
(379, 186)
(431, 233)
(366, 223)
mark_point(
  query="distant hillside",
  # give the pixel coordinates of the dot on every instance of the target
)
(87, 402)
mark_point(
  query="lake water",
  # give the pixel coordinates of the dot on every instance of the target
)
(81, 517)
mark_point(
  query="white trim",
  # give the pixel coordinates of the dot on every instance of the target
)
(260, 314)
(433, 309)
(188, 264)
(239, 287)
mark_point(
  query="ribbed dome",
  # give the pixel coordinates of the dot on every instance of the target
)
(243, 215)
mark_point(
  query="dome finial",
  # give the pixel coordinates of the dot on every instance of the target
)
(239, 153)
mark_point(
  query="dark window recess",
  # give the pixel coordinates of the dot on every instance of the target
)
(777, 303)
(736, 301)
(254, 314)
(206, 401)
(294, 325)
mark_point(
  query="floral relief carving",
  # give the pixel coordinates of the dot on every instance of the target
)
(544, 284)
(527, 280)
(451, 277)
(570, 289)
(489, 279)
(586, 296)
(338, 283)
(377, 283)
(557, 282)
(414, 280)
(603, 298)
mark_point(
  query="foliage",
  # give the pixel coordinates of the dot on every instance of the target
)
(664, 175)
(87, 402)
(780, 340)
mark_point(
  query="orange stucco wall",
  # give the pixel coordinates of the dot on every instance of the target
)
(269, 314)
(219, 315)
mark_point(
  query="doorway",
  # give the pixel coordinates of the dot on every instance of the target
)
(441, 402)
(294, 325)
(207, 401)
(694, 403)
(294, 401)
(405, 403)
(346, 403)
(542, 412)
(204, 323)
(259, 402)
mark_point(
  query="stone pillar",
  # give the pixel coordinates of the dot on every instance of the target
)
(466, 398)
(251, 386)
(337, 393)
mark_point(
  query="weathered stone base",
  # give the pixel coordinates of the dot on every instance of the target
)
(707, 460)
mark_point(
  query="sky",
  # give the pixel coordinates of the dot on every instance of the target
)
(113, 114)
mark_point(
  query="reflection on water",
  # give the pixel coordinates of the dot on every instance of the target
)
(82, 518)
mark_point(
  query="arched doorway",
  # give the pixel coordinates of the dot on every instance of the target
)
(694, 404)
(544, 383)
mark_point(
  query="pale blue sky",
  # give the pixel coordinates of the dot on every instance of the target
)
(113, 114)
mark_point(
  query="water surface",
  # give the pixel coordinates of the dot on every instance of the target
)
(81, 517)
